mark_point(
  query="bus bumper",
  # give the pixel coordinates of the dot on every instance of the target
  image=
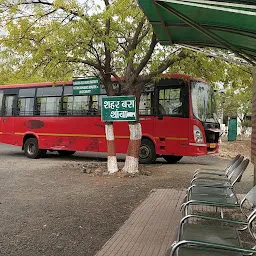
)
(203, 149)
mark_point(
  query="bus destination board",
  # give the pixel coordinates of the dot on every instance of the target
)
(86, 86)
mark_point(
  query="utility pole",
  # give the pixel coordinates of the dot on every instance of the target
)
(222, 106)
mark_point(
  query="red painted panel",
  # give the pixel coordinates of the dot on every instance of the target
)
(7, 127)
(170, 135)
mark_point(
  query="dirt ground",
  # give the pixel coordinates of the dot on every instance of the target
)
(59, 206)
(231, 148)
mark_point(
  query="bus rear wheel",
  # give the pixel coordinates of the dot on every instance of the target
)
(66, 152)
(147, 153)
(172, 159)
(31, 149)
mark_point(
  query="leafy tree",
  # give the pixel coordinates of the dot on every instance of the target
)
(238, 93)
(60, 39)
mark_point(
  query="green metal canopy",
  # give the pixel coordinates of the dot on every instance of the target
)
(223, 24)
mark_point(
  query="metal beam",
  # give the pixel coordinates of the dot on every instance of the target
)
(209, 34)
(209, 26)
(162, 22)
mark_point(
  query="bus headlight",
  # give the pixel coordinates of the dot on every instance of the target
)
(198, 136)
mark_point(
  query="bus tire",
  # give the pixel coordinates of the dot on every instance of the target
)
(66, 152)
(32, 150)
(147, 154)
(172, 159)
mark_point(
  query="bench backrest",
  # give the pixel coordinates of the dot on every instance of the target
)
(231, 163)
(238, 171)
(250, 198)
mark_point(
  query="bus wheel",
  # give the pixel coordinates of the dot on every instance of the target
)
(147, 153)
(66, 152)
(31, 149)
(172, 159)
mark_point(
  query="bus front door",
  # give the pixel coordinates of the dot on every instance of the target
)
(7, 119)
(171, 122)
(172, 135)
(1, 102)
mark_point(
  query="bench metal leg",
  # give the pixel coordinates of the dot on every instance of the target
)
(221, 212)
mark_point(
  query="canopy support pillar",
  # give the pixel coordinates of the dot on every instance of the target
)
(253, 138)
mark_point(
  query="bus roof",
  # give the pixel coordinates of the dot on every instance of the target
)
(42, 84)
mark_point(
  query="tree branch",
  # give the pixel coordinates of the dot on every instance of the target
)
(148, 55)
(31, 25)
(143, 35)
(134, 43)
(86, 62)
(63, 8)
(76, 13)
(106, 47)
(162, 68)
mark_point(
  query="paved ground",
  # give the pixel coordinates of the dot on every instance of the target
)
(50, 207)
(151, 228)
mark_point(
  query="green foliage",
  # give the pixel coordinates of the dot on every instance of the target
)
(238, 102)
(61, 39)
(238, 93)
(246, 123)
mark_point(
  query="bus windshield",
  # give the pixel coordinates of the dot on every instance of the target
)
(203, 101)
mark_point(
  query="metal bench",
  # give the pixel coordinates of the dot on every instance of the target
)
(219, 194)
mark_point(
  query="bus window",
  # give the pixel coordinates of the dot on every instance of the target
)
(48, 106)
(95, 109)
(145, 105)
(25, 106)
(9, 105)
(26, 102)
(203, 103)
(68, 90)
(1, 100)
(49, 91)
(81, 105)
(27, 93)
(68, 105)
(170, 102)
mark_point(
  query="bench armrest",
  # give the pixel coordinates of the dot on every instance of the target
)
(209, 203)
(208, 169)
(217, 173)
(204, 217)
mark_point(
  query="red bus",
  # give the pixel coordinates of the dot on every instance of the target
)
(177, 115)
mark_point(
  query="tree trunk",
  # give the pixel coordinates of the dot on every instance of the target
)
(109, 128)
(132, 157)
(112, 161)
